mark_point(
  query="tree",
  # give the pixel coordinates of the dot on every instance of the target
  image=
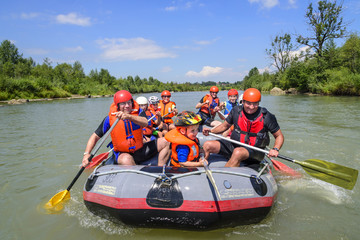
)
(281, 52)
(351, 53)
(326, 23)
(9, 53)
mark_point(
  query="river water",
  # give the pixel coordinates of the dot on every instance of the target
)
(41, 147)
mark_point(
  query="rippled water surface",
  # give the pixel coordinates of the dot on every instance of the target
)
(41, 147)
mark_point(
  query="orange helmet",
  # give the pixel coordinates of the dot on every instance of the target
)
(166, 93)
(122, 96)
(233, 92)
(252, 95)
(214, 89)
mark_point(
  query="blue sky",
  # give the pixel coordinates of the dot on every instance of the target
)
(180, 41)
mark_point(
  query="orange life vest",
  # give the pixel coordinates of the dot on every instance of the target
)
(209, 108)
(153, 111)
(165, 108)
(149, 128)
(176, 139)
(127, 136)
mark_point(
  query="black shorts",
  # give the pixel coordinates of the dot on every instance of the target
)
(145, 153)
(206, 119)
(227, 148)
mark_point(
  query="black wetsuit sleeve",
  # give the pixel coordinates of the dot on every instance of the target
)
(271, 123)
(233, 115)
(100, 130)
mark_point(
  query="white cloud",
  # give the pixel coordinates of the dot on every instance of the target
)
(29, 15)
(120, 49)
(74, 49)
(73, 18)
(266, 3)
(205, 72)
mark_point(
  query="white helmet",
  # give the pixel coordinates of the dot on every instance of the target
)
(142, 100)
(241, 98)
(153, 100)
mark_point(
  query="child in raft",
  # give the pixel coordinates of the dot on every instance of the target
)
(184, 143)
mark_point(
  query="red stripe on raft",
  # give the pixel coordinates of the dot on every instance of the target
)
(188, 205)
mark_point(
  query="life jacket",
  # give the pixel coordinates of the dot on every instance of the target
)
(229, 105)
(251, 132)
(176, 139)
(147, 131)
(208, 109)
(165, 108)
(153, 111)
(127, 136)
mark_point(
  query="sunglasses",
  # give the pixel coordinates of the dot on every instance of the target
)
(166, 96)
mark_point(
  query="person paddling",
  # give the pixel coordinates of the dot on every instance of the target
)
(127, 136)
(150, 115)
(251, 126)
(168, 110)
(209, 105)
(157, 121)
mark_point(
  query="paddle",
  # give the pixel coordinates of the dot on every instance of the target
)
(281, 167)
(327, 171)
(98, 159)
(212, 180)
(285, 169)
(54, 202)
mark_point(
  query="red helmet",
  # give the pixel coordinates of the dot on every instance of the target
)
(214, 89)
(233, 92)
(252, 95)
(122, 96)
(166, 93)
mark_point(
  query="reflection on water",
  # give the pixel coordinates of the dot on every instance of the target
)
(41, 147)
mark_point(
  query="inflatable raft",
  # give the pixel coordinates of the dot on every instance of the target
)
(171, 197)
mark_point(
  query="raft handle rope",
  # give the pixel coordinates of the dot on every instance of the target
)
(173, 177)
(165, 180)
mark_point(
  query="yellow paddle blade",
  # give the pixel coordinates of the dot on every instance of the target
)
(56, 202)
(330, 172)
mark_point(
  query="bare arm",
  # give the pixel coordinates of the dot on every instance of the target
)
(199, 104)
(218, 129)
(279, 141)
(89, 146)
(193, 164)
(139, 120)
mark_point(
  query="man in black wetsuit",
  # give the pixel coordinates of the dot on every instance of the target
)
(252, 125)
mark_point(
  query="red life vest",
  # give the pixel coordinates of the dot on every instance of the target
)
(165, 108)
(209, 108)
(176, 139)
(127, 136)
(251, 132)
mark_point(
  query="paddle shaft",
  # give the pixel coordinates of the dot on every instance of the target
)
(249, 146)
(303, 164)
(151, 118)
(168, 114)
(93, 152)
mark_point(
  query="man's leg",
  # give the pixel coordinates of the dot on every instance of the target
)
(125, 159)
(211, 147)
(239, 154)
(163, 147)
